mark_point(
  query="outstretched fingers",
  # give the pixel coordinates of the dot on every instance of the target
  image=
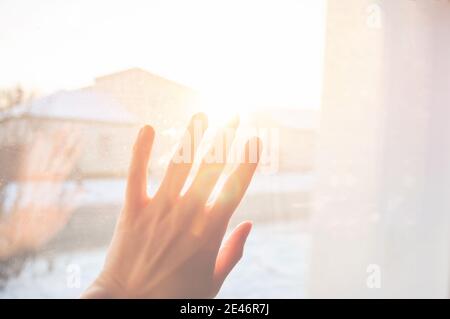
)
(230, 253)
(212, 166)
(136, 193)
(237, 183)
(181, 163)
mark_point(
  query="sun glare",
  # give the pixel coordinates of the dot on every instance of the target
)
(220, 108)
(239, 54)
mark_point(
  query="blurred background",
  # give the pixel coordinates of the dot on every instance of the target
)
(79, 78)
(350, 98)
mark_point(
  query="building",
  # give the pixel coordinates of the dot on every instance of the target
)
(103, 128)
(153, 99)
(107, 116)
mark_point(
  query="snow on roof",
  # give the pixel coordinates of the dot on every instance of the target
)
(139, 73)
(85, 105)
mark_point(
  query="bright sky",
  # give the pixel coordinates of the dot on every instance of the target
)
(262, 52)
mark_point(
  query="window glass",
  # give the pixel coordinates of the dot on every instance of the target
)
(79, 78)
(350, 99)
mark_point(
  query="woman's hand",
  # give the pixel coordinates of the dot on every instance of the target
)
(169, 246)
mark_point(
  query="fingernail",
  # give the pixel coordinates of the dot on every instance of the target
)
(147, 131)
(250, 223)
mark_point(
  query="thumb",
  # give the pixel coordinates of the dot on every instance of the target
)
(230, 253)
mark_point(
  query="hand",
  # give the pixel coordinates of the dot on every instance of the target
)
(169, 246)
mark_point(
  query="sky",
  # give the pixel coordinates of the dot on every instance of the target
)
(262, 53)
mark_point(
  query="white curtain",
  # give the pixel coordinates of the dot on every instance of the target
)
(381, 222)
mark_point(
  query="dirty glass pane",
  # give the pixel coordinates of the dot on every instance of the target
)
(79, 78)
(350, 99)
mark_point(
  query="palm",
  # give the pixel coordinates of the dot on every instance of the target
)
(170, 245)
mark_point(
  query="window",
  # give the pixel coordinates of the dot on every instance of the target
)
(349, 97)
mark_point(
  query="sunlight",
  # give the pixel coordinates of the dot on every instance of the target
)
(240, 54)
(221, 108)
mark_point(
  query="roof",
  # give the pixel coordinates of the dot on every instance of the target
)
(84, 105)
(140, 73)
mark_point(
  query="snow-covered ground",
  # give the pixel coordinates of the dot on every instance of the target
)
(110, 191)
(274, 265)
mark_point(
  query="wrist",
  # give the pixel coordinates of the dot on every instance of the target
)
(101, 289)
